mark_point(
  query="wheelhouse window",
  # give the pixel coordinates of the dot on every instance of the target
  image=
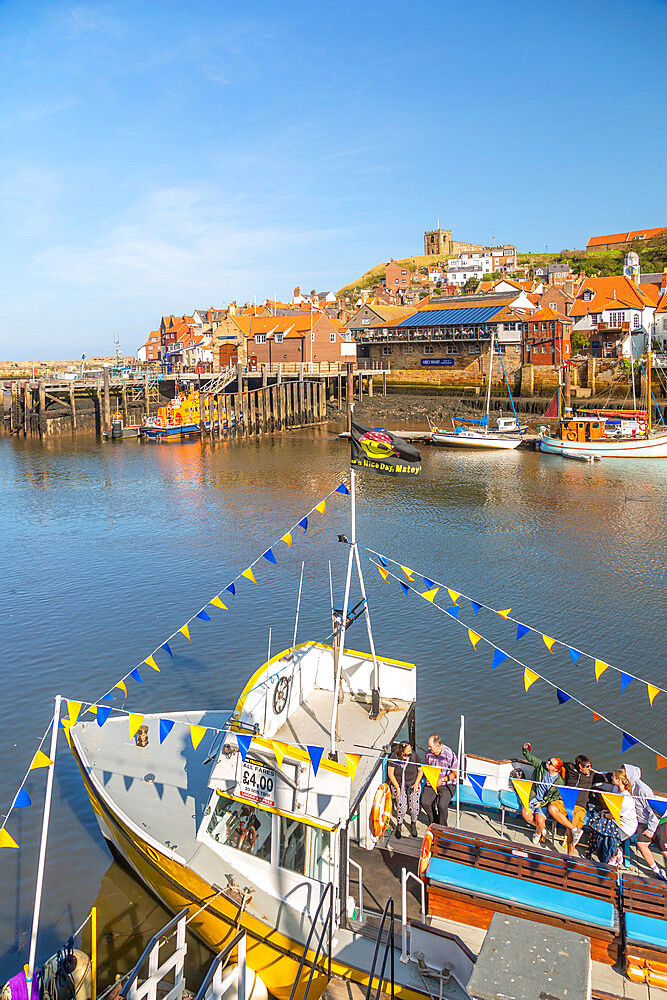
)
(304, 849)
(241, 826)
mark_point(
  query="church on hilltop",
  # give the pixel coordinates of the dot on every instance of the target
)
(440, 242)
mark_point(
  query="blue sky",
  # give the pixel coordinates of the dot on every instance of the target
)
(160, 156)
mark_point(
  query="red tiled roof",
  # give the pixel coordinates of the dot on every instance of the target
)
(616, 287)
(633, 234)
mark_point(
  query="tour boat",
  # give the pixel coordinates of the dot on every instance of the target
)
(506, 437)
(588, 436)
(279, 825)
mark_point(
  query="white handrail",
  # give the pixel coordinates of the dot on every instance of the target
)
(361, 888)
(405, 875)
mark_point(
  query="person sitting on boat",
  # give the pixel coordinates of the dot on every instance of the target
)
(405, 777)
(649, 829)
(578, 773)
(439, 755)
(607, 835)
(546, 775)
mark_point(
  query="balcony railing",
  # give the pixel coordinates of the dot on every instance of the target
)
(623, 327)
(403, 336)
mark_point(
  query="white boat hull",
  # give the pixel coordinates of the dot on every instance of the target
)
(652, 447)
(503, 442)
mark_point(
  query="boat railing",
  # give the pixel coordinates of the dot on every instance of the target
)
(388, 952)
(214, 986)
(326, 931)
(361, 888)
(405, 877)
(157, 973)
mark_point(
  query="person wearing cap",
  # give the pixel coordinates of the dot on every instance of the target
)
(545, 790)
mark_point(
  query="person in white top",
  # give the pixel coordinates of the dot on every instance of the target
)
(628, 816)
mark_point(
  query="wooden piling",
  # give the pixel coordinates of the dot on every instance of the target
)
(147, 408)
(384, 383)
(244, 414)
(340, 391)
(26, 407)
(253, 412)
(106, 416)
(264, 375)
(123, 392)
(202, 418)
(302, 402)
(273, 395)
(370, 386)
(99, 411)
(228, 415)
(72, 409)
(360, 393)
(239, 378)
(261, 400)
(279, 374)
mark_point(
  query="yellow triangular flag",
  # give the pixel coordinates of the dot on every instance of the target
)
(431, 774)
(217, 603)
(529, 677)
(249, 575)
(383, 573)
(600, 667)
(523, 789)
(321, 507)
(92, 709)
(287, 539)
(135, 721)
(6, 839)
(73, 709)
(430, 594)
(454, 596)
(40, 760)
(149, 661)
(474, 638)
(548, 642)
(505, 613)
(121, 687)
(408, 572)
(67, 725)
(197, 734)
(279, 754)
(352, 760)
(652, 692)
(185, 631)
(613, 803)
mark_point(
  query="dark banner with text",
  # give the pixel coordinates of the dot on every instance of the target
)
(382, 451)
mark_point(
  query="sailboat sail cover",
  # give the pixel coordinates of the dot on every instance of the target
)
(382, 451)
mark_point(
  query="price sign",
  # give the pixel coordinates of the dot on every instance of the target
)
(257, 783)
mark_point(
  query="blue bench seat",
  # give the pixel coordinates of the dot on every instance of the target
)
(646, 930)
(531, 895)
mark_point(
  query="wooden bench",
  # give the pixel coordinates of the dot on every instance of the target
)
(644, 913)
(469, 878)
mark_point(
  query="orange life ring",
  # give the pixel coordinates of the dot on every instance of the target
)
(381, 810)
(570, 436)
(425, 853)
(248, 838)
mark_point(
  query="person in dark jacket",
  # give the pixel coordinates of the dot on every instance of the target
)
(578, 773)
(405, 777)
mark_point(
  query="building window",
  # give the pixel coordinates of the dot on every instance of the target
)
(260, 338)
(636, 320)
(365, 321)
(428, 349)
(553, 305)
(450, 349)
(312, 337)
(332, 338)
(386, 350)
(279, 338)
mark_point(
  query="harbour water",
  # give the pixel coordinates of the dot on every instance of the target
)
(107, 549)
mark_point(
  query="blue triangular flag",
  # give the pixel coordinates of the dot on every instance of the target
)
(625, 680)
(269, 556)
(453, 611)
(406, 589)
(315, 754)
(244, 744)
(166, 726)
(429, 584)
(477, 782)
(165, 645)
(658, 806)
(103, 712)
(382, 560)
(475, 606)
(574, 653)
(628, 741)
(303, 523)
(136, 676)
(342, 489)
(204, 617)
(231, 588)
(562, 696)
(521, 630)
(498, 657)
(22, 799)
(569, 797)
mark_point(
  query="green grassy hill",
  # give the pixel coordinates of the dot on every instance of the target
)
(652, 257)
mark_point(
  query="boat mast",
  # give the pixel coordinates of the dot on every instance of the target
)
(488, 388)
(42, 845)
(649, 399)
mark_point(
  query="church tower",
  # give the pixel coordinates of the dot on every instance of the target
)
(631, 267)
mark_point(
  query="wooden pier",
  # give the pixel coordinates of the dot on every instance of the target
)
(262, 401)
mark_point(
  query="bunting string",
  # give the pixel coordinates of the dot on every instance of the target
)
(522, 629)
(217, 600)
(22, 798)
(500, 655)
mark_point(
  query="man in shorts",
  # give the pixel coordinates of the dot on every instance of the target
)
(578, 773)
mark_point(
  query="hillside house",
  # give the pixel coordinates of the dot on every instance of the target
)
(547, 340)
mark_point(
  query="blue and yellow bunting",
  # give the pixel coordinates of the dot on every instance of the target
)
(315, 754)
(499, 656)
(477, 782)
(22, 800)
(243, 743)
(569, 797)
(166, 726)
(269, 556)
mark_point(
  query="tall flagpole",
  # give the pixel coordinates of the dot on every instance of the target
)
(42, 845)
